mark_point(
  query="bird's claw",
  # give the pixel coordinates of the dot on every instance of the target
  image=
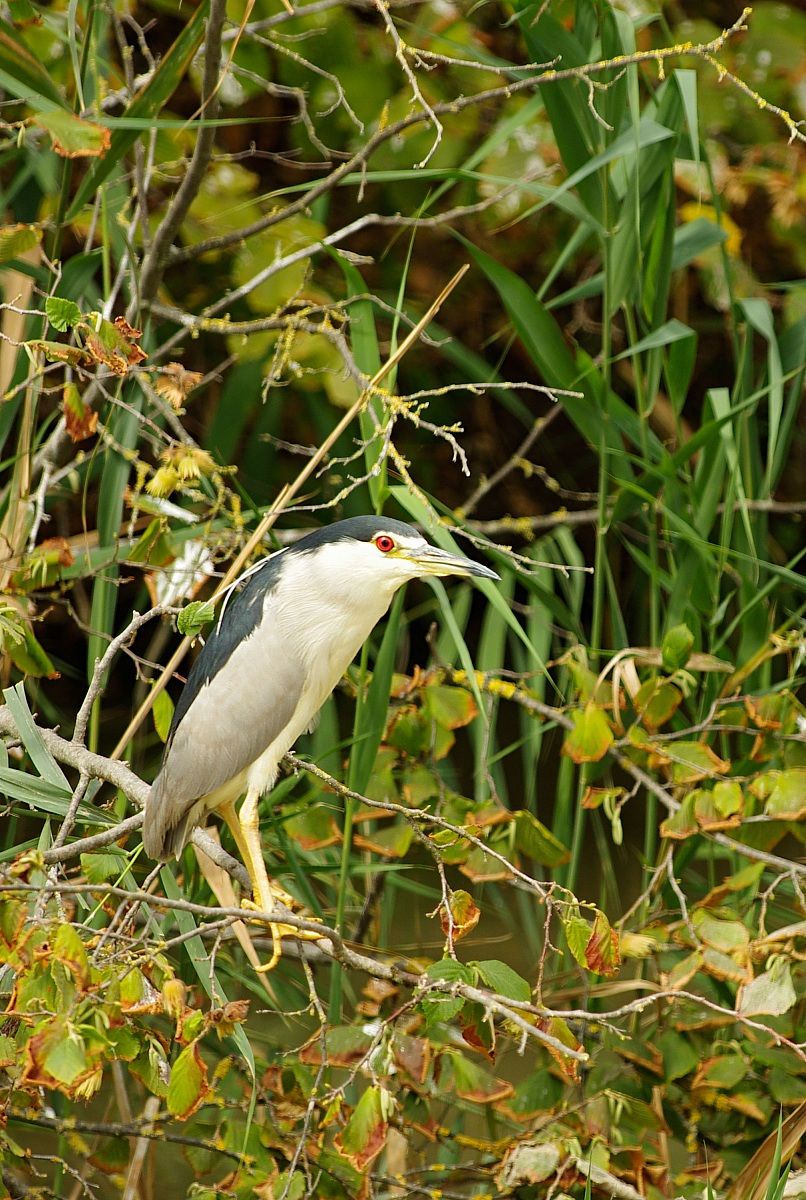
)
(279, 929)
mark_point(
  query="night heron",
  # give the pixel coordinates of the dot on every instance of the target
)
(278, 649)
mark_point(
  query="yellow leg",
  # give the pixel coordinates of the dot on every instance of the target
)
(265, 893)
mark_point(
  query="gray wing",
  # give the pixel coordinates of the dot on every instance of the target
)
(230, 720)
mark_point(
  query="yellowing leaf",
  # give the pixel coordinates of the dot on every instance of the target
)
(591, 737)
(450, 707)
(16, 239)
(537, 842)
(463, 916)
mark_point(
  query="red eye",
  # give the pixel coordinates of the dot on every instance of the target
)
(384, 543)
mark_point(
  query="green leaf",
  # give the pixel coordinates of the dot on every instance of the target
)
(502, 979)
(29, 657)
(62, 314)
(787, 800)
(441, 1006)
(66, 1057)
(103, 865)
(577, 933)
(537, 842)
(591, 737)
(676, 647)
(162, 713)
(194, 616)
(770, 993)
(680, 1056)
(188, 1087)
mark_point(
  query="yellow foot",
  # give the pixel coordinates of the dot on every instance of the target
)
(279, 929)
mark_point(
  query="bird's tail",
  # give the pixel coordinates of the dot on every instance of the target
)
(164, 837)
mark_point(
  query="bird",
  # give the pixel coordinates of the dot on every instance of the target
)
(283, 639)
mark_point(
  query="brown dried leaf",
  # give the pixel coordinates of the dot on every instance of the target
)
(174, 383)
(79, 419)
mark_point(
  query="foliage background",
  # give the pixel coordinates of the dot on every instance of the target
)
(555, 821)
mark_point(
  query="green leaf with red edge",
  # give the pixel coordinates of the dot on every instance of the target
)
(683, 823)
(188, 1087)
(602, 953)
(557, 1028)
(391, 842)
(689, 762)
(314, 828)
(728, 797)
(347, 1045)
(29, 656)
(534, 1096)
(657, 703)
(537, 842)
(725, 936)
(787, 800)
(364, 1135)
(472, 1082)
(707, 811)
(481, 867)
(594, 797)
(72, 136)
(461, 916)
(591, 737)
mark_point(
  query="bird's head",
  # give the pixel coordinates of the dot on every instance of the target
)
(379, 552)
